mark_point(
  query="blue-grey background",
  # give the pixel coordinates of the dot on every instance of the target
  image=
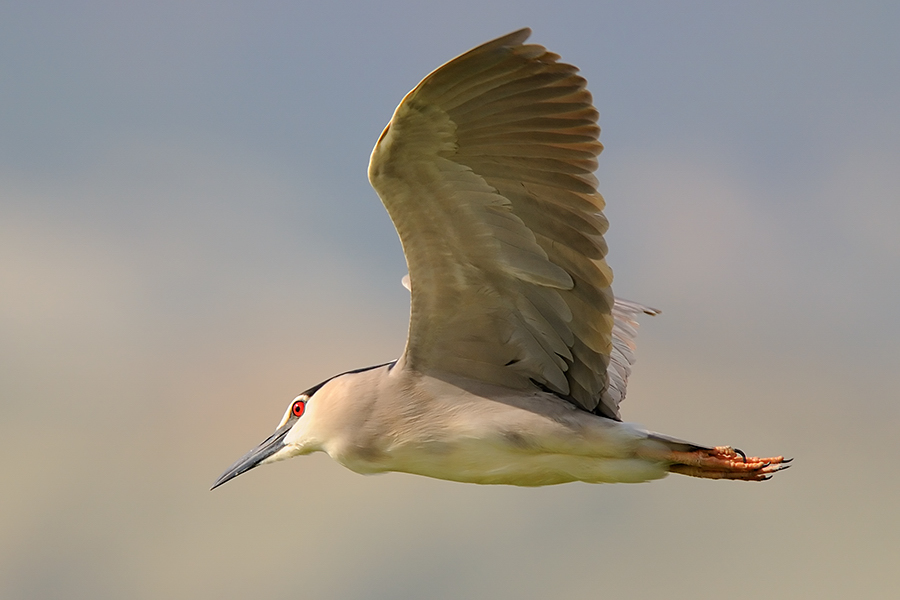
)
(188, 239)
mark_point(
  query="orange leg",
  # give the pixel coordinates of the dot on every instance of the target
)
(724, 462)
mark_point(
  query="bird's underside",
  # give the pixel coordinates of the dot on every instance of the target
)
(486, 170)
(722, 462)
(652, 458)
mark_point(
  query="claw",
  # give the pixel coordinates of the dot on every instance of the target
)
(722, 462)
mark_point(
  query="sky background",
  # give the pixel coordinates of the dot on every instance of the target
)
(188, 240)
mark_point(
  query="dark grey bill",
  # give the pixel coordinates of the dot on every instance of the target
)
(273, 444)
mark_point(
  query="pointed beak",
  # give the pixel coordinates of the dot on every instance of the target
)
(255, 457)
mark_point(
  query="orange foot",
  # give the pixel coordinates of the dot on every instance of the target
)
(724, 462)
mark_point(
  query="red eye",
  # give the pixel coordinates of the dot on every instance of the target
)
(298, 408)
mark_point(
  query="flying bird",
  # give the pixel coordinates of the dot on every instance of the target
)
(518, 353)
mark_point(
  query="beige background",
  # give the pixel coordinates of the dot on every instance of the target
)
(187, 240)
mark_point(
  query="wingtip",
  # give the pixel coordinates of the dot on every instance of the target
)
(524, 33)
(515, 38)
(636, 307)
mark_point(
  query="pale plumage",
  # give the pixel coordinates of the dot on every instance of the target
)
(518, 354)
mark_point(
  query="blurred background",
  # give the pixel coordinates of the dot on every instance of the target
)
(188, 240)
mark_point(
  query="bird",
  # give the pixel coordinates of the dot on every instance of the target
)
(518, 353)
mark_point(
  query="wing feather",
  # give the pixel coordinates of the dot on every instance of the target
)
(486, 170)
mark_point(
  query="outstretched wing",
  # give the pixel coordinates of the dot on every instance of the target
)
(486, 171)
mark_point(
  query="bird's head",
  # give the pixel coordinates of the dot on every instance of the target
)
(315, 420)
(289, 439)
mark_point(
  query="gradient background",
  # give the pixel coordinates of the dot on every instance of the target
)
(188, 239)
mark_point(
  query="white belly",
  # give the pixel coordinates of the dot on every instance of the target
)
(488, 464)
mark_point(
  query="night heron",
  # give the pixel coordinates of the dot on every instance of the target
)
(518, 354)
